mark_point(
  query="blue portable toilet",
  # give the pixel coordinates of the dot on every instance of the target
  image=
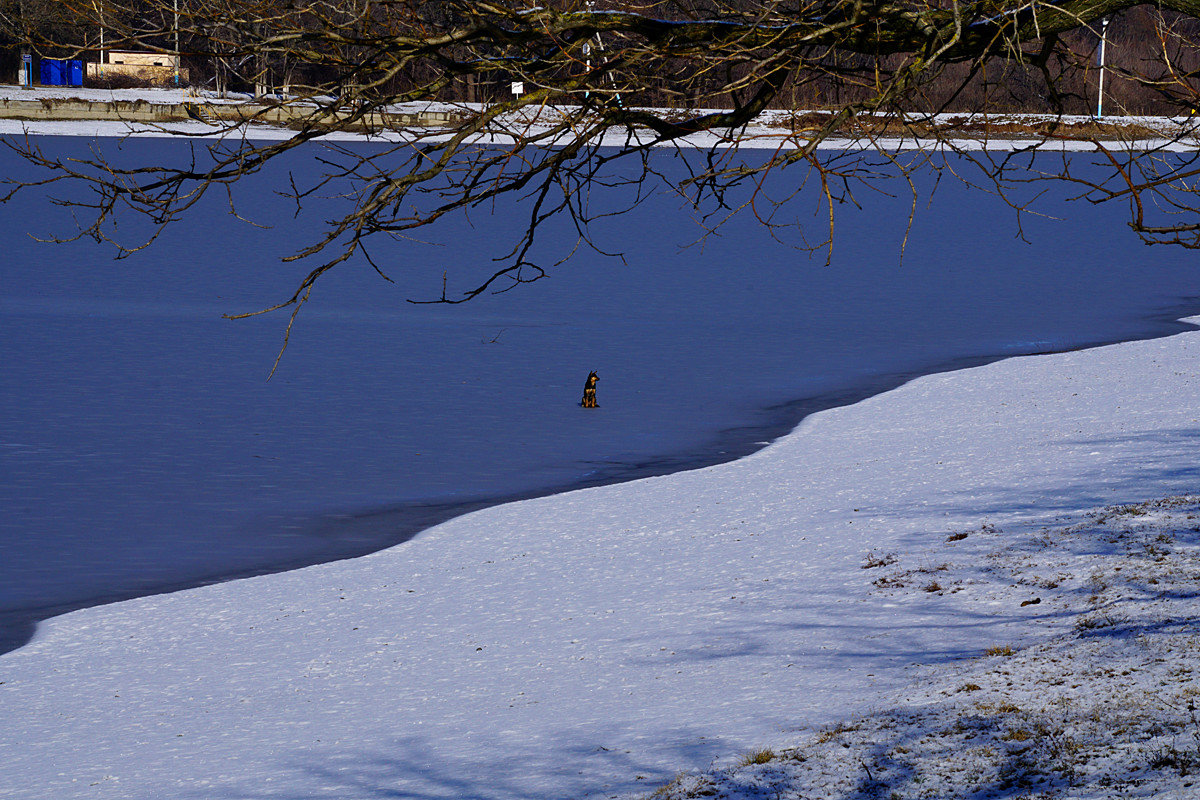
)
(53, 72)
(75, 72)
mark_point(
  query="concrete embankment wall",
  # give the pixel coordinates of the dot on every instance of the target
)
(215, 113)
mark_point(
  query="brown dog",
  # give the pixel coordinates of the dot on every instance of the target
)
(589, 391)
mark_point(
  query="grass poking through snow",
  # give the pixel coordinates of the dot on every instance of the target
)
(1102, 704)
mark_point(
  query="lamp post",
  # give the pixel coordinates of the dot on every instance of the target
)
(1103, 42)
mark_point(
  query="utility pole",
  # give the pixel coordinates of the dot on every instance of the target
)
(26, 75)
(100, 14)
(1103, 42)
(587, 50)
(176, 60)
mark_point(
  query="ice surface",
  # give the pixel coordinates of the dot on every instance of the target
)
(143, 448)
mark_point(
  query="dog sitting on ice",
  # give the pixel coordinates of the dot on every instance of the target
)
(589, 391)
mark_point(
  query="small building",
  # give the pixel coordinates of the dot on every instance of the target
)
(160, 68)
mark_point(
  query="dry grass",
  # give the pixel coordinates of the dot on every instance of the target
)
(837, 730)
(763, 756)
(875, 559)
(973, 127)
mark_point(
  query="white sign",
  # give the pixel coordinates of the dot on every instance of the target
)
(518, 87)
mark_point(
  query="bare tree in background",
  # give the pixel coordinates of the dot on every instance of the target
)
(606, 82)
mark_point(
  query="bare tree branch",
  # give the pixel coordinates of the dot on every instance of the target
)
(609, 81)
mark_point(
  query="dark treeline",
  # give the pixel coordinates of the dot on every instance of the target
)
(1144, 45)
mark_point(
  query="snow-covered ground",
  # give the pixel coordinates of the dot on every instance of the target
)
(143, 94)
(600, 641)
(1097, 699)
(771, 130)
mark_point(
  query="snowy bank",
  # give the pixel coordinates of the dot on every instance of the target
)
(64, 111)
(1106, 707)
(602, 640)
